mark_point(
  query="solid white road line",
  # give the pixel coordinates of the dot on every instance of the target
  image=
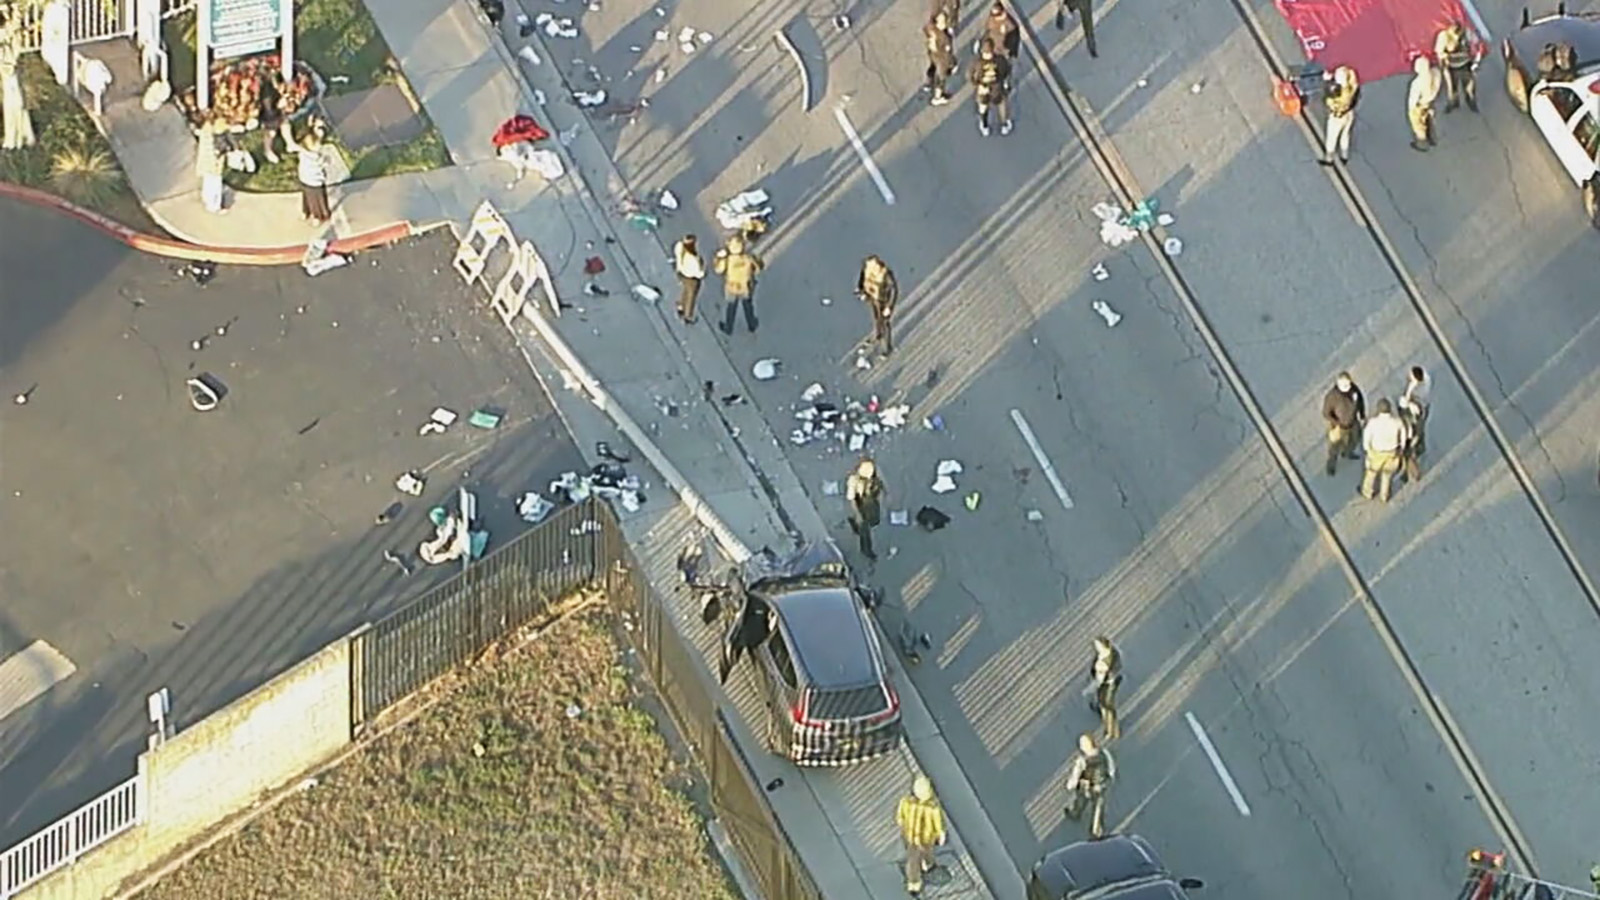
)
(1216, 763)
(30, 672)
(1044, 461)
(866, 158)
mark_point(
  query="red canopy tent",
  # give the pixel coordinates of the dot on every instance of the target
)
(1377, 38)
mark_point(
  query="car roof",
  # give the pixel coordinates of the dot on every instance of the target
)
(1581, 31)
(1090, 865)
(826, 635)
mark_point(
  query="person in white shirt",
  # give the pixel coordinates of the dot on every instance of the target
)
(691, 269)
(1383, 439)
(1415, 400)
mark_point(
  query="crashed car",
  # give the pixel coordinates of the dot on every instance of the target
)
(1553, 74)
(803, 622)
(1120, 867)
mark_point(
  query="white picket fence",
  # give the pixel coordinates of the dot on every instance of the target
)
(92, 20)
(60, 844)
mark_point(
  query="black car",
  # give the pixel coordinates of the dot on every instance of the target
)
(1120, 867)
(1524, 48)
(803, 622)
(1553, 75)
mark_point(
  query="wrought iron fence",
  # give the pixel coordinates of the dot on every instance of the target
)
(91, 20)
(456, 620)
(60, 844)
(681, 678)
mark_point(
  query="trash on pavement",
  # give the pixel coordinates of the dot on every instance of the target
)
(410, 483)
(594, 265)
(1173, 246)
(528, 54)
(568, 135)
(438, 421)
(452, 539)
(863, 363)
(662, 35)
(525, 158)
(533, 507)
(949, 467)
(390, 556)
(1035, 516)
(899, 517)
(849, 421)
(812, 392)
(704, 37)
(204, 393)
(592, 289)
(1111, 316)
(931, 519)
(644, 221)
(894, 416)
(1143, 216)
(934, 422)
(318, 259)
(841, 22)
(22, 398)
(668, 201)
(944, 484)
(766, 369)
(830, 488)
(744, 209)
(1165, 219)
(554, 27)
(646, 293)
(1100, 272)
(200, 272)
(1198, 86)
(972, 500)
(524, 25)
(486, 419)
(588, 99)
(609, 480)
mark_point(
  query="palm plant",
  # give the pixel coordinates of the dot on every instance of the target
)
(84, 176)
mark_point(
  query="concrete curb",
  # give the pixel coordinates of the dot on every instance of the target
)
(196, 252)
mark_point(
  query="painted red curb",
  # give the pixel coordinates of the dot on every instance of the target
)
(238, 256)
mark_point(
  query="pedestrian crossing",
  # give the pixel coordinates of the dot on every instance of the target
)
(29, 673)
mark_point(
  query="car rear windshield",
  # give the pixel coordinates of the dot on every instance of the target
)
(849, 703)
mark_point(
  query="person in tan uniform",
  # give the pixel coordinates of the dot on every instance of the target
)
(1419, 103)
(1453, 48)
(939, 39)
(1001, 29)
(738, 268)
(1383, 440)
(879, 290)
(1341, 98)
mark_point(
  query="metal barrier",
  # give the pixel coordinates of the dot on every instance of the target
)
(681, 678)
(455, 621)
(61, 843)
(91, 20)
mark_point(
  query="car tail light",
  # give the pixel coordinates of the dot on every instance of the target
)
(799, 712)
(894, 705)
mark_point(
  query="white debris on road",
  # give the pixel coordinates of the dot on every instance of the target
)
(1111, 316)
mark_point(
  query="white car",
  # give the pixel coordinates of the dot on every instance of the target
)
(1564, 104)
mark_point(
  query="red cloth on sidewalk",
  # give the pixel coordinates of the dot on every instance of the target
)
(517, 129)
(1377, 38)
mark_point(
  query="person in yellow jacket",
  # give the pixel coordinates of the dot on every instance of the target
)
(1453, 48)
(1341, 98)
(877, 288)
(738, 268)
(1419, 103)
(921, 821)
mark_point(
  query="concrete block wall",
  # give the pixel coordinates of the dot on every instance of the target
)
(218, 767)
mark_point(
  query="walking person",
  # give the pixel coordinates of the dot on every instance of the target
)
(1383, 440)
(1453, 48)
(864, 491)
(939, 38)
(1089, 777)
(878, 289)
(991, 74)
(691, 269)
(1416, 398)
(1085, 12)
(1341, 98)
(1344, 411)
(1419, 103)
(921, 822)
(1002, 31)
(738, 268)
(1105, 674)
(316, 170)
(208, 164)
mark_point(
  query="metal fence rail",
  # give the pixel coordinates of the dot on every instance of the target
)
(61, 843)
(91, 20)
(683, 682)
(458, 619)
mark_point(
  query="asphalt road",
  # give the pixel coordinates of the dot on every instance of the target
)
(156, 546)
(1181, 539)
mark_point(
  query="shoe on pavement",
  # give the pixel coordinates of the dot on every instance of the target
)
(1061, 21)
(939, 99)
(1005, 127)
(1419, 146)
(983, 128)
(1325, 162)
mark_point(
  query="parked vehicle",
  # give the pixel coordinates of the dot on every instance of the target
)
(803, 622)
(1120, 867)
(1553, 74)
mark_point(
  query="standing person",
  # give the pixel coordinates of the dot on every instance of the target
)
(208, 165)
(1344, 411)
(738, 268)
(951, 10)
(1341, 98)
(878, 288)
(1419, 103)
(1002, 31)
(315, 171)
(1105, 673)
(921, 821)
(1383, 440)
(1085, 11)
(939, 37)
(1416, 399)
(1089, 777)
(991, 74)
(691, 269)
(1453, 48)
(864, 491)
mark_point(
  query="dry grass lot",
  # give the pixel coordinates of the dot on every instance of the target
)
(496, 792)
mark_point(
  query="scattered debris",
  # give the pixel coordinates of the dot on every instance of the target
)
(934, 422)
(812, 392)
(668, 200)
(851, 421)
(1035, 516)
(972, 500)
(1165, 219)
(411, 483)
(318, 258)
(662, 35)
(646, 293)
(766, 369)
(732, 399)
(554, 27)
(438, 421)
(1143, 216)
(453, 538)
(1100, 272)
(744, 209)
(594, 265)
(200, 272)
(841, 22)
(609, 480)
(389, 514)
(205, 392)
(644, 221)
(524, 25)
(862, 362)
(533, 507)
(528, 54)
(830, 488)
(589, 98)
(704, 37)
(827, 301)
(899, 517)
(390, 556)
(930, 519)
(1111, 316)
(574, 710)
(774, 784)
(1143, 82)
(487, 419)
(594, 290)
(1198, 86)
(22, 398)
(567, 136)
(1173, 246)
(604, 451)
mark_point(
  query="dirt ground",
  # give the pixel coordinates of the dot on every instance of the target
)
(537, 776)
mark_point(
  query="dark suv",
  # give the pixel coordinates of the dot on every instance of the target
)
(803, 622)
(1120, 867)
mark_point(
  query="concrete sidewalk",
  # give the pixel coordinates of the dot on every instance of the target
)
(653, 373)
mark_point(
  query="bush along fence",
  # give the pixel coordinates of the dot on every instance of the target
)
(187, 784)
